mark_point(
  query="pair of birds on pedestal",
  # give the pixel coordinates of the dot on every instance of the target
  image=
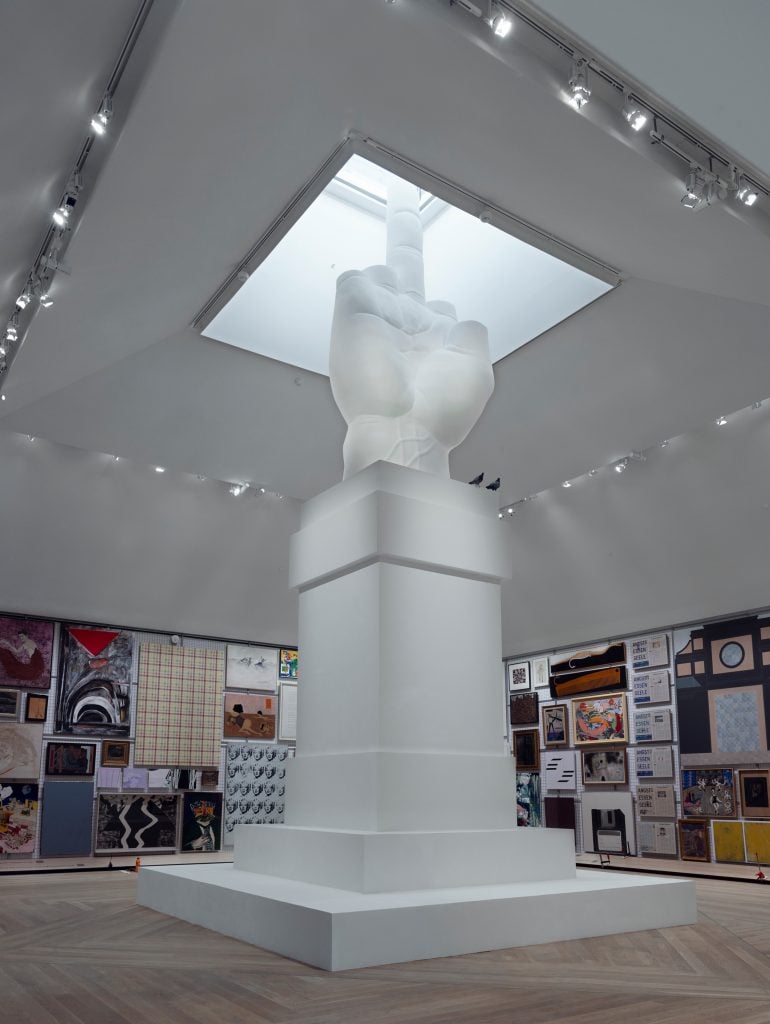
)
(477, 481)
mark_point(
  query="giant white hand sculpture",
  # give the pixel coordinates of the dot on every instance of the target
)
(409, 379)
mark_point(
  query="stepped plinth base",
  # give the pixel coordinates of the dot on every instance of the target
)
(337, 929)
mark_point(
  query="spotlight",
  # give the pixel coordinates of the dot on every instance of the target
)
(746, 194)
(61, 217)
(621, 466)
(694, 188)
(635, 115)
(579, 91)
(756, 405)
(720, 421)
(499, 514)
(665, 444)
(102, 118)
(2, 398)
(11, 333)
(262, 490)
(237, 489)
(46, 300)
(160, 469)
(2, 356)
(500, 23)
(23, 300)
(566, 483)
(593, 472)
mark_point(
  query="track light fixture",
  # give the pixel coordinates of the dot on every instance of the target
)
(746, 194)
(101, 119)
(500, 22)
(636, 116)
(23, 300)
(579, 90)
(720, 421)
(566, 483)
(237, 489)
(695, 188)
(621, 466)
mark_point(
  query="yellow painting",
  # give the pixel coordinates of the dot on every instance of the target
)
(728, 842)
(757, 841)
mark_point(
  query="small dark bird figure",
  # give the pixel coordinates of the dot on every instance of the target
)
(494, 486)
(476, 481)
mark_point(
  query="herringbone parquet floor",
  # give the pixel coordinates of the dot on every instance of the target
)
(75, 949)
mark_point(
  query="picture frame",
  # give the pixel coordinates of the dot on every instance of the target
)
(526, 750)
(694, 839)
(599, 720)
(604, 767)
(595, 680)
(708, 793)
(555, 722)
(9, 705)
(540, 674)
(70, 758)
(288, 663)
(755, 792)
(523, 708)
(115, 753)
(518, 675)
(36, 708)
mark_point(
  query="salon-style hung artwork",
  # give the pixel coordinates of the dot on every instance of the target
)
(528, 808)
(523, 708)
(589, 670)
(250, 667)
(288, 664)
(603, 767)
(526, 749)
(600, 720)
(518, 676)
(94, 697)
(26, 647)
(555, 723)
(708, 793)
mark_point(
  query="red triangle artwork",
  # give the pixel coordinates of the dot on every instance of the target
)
(94, 640)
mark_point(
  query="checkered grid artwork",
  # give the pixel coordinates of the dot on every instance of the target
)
(179, 706)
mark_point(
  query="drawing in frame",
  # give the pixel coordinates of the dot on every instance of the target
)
(755, 793)
(708, 793)
(694, 839)
(518, 676)
(604, 767)
(115, 753)
(523, 708)
(25, 652)
(36, 708)
(252, 667)
(540, 674)
(20, 751)
(526, 750)
(599, 720)
(555, 719)
(9, 705)
(70, 758)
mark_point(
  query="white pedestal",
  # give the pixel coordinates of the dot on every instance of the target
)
(400, 839)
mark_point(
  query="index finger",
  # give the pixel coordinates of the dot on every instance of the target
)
(404, 227)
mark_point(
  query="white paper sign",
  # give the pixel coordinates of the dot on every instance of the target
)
(651, 687)
(654, 762)
(652, 725)
(649, 651)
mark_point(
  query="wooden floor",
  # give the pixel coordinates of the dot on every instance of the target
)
(75, 949)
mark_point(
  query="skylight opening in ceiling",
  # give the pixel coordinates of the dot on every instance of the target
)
(284, 310)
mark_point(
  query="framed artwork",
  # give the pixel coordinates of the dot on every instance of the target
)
(70, 758)
(528, 813)
(657, 838)
(115, 753)
(110, 778)
(598, 720)
(654, 762)
(141, 823)
(36, 709)
(559, 812)
(25, 652)
(18, 817)
(649, 651)
(287, 721)
(526, 750)
(656, 801)
(651, 687)
(201, 822)
(254, 785)
(9, 704)
(67, 818)
(560, 771)
(136, 778)
(737, 719)
(596, 656)
(518, 676)
(757, 836)
(602, 767)
(652, 724)
(755, 793)
(694, 839)
(249, 716)
(94, 695)
(20, 750)
(252, 668)
(288, 664)
(523, 708)
(728, 842)
(608, 821)
(708, 793)
(555, 725)
(540, 674)
(594, 681)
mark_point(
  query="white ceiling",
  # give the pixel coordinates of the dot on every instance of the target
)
(207, 161)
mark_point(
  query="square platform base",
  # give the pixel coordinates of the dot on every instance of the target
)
(338, 930)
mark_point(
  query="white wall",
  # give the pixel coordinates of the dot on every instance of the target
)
(85, 537)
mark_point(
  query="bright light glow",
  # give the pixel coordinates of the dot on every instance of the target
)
(2, 353)
(636, 117)
(694, 189)
(23, 300)
(621, 467)
(566, 483)
(664, 444)
(746, 195)
(46, 300)
(237, 489)
(499, 514)
(579, 91)
(11, 334)
(98, 126)
(720, 421)
(61, 216)
(160, 469)
(116, 458)
(2, 398)
(510, 511)
(501, 24)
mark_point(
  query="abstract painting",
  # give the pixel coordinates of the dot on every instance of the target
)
(523, 708)
(25, 652)
(526, 749)
(67, 818)
(95, 689)
(755, 793)
(604, 766)
(694, 839)
(20, 751)
(528, 800)
(252, 668)
(70, 759)
(560, 772)
(594, 681)
(9, 704)
(201, 822)
(249, 716)
(255, 785)
(288, 664)
(179, 706)
(728, 842)
(597, 720)
(142, 823)
(555, 725)
(18, 817)
(737, 719)
(518, 676)
(757, 834)
(559, 813)
(708, 793)
(36, 709)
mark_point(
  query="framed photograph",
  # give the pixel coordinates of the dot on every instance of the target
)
(694, 839)
(249, 716)
(654, 763)
(36, 709)
(555, 725)
(600, 720)
(755, 793)
(523, 708)
(649, 651)
(9, 704)
(604, 767)
(288, 664)
(526, 750)
(115, 753)
(70, 758)
(652, 725)
(518, 676)
(20, 748)
(657, 838)
(708, 793)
